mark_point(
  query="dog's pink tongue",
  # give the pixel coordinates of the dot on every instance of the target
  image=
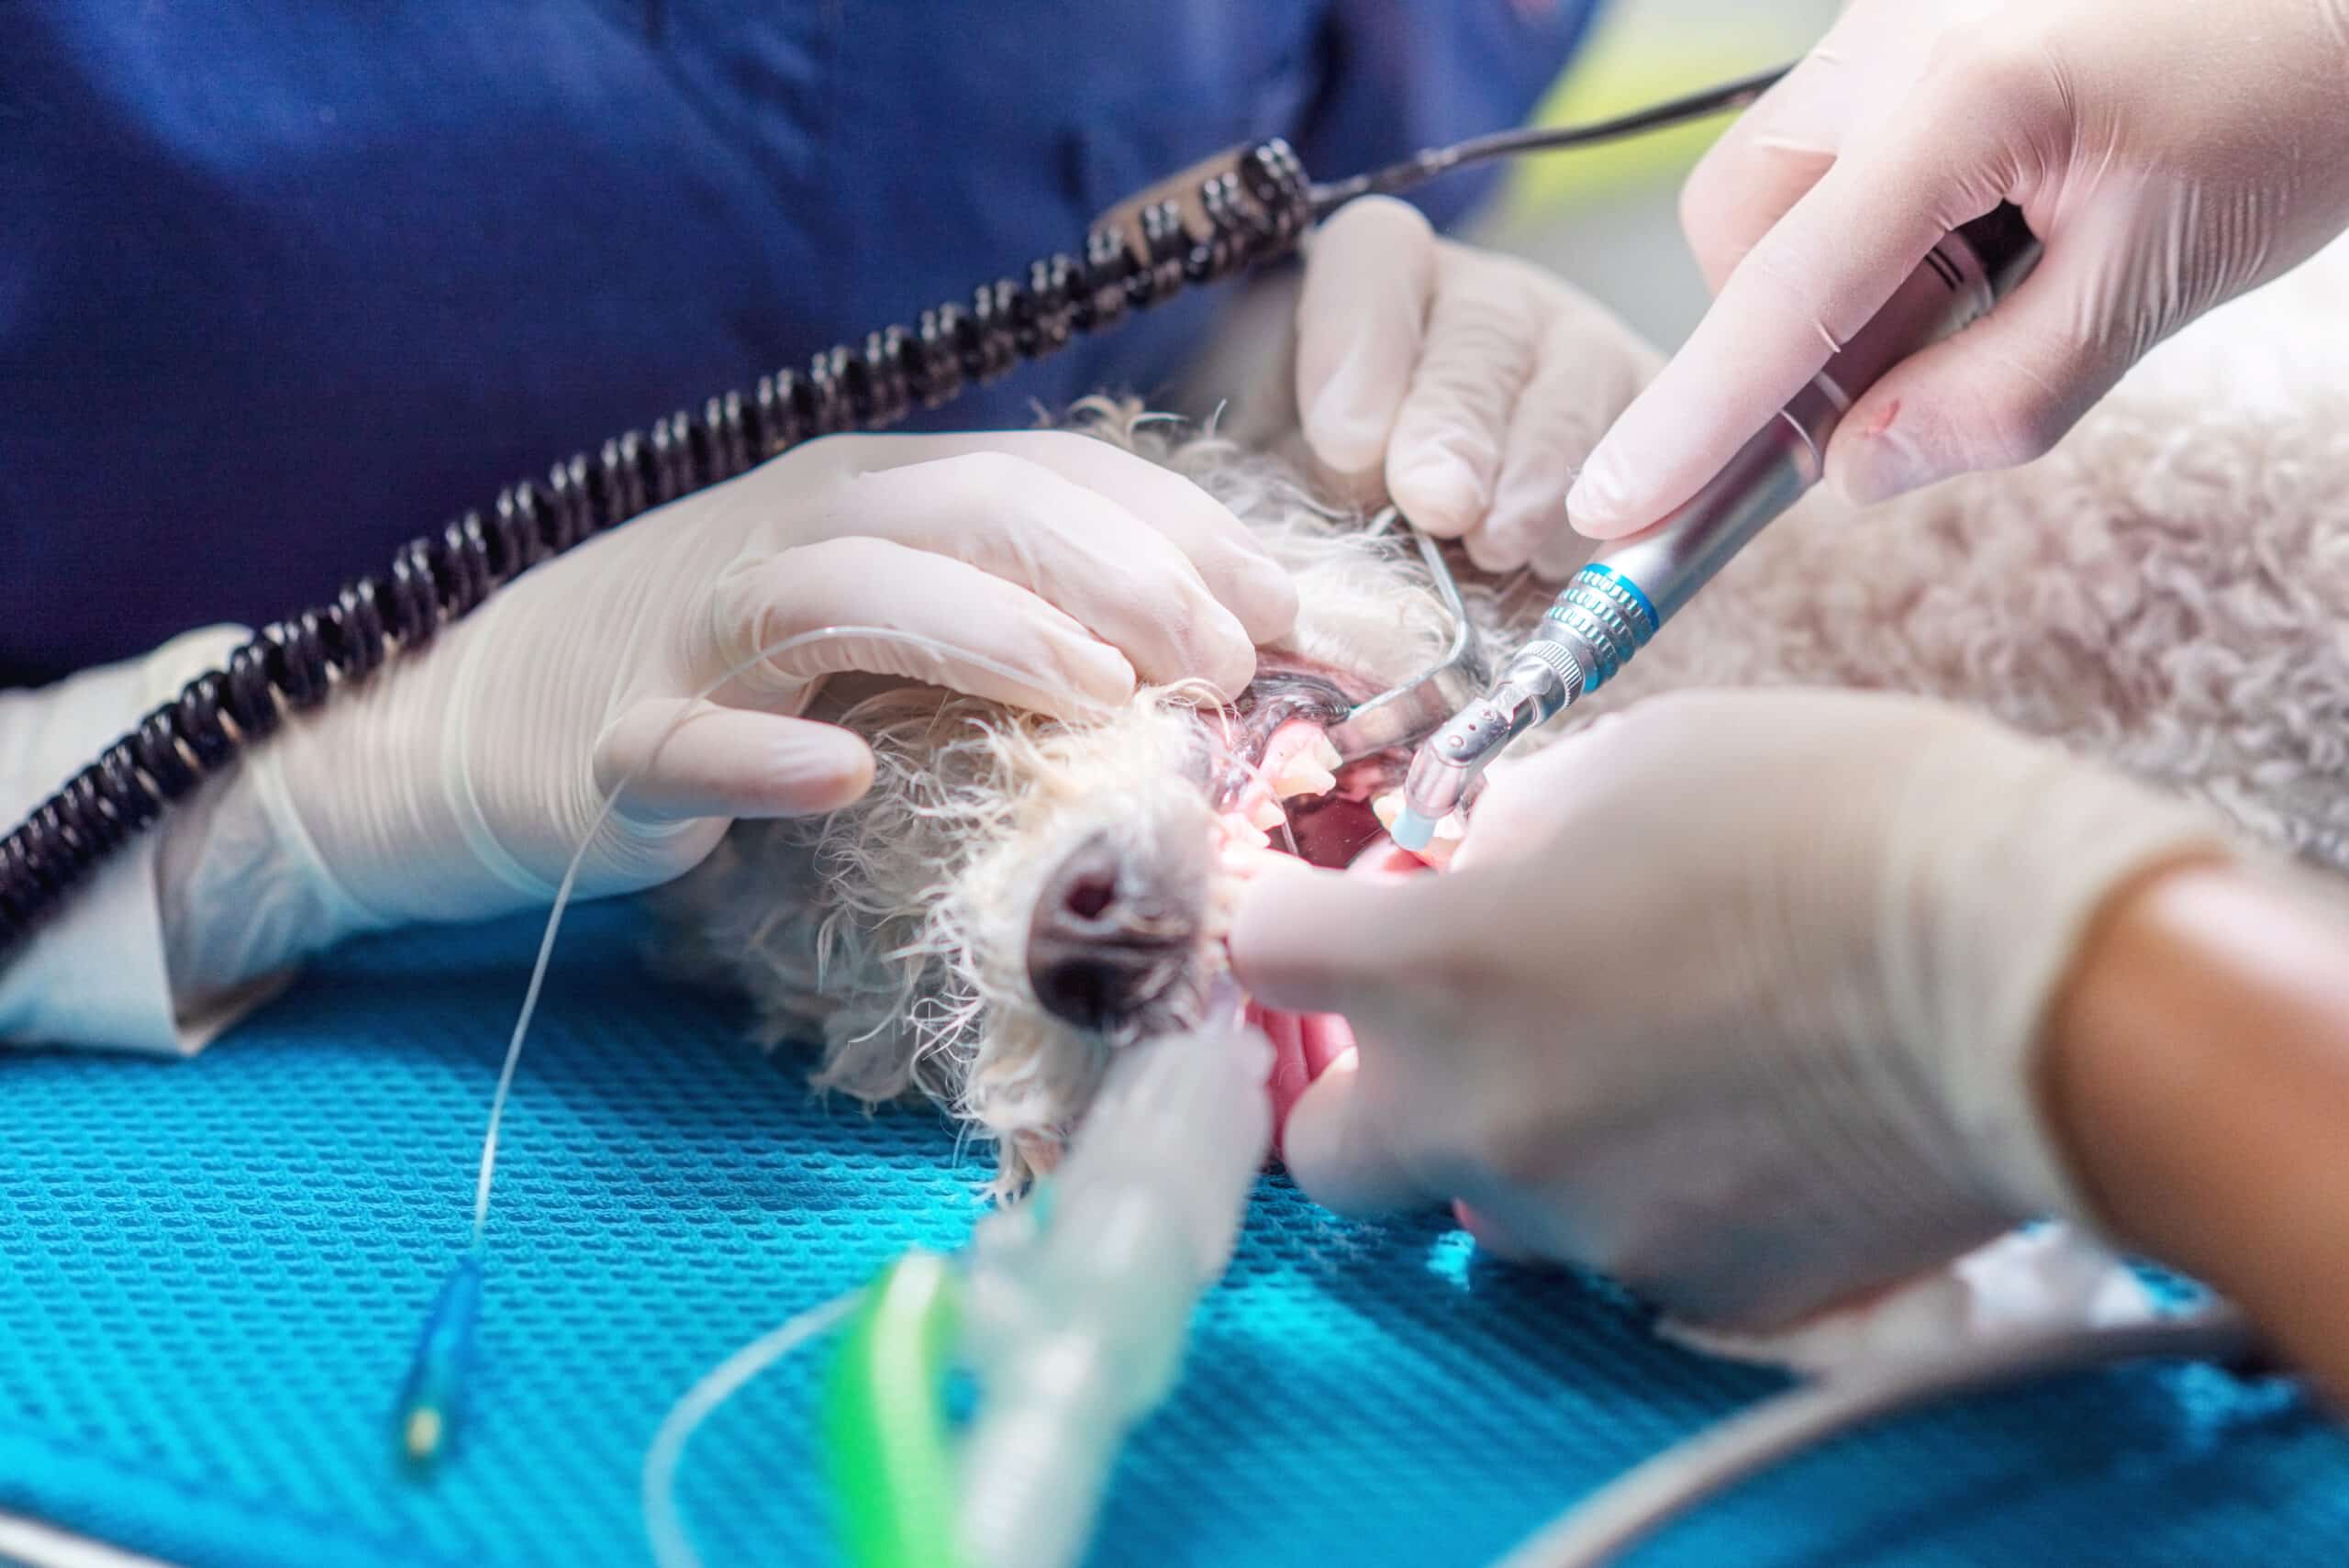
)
(1304, 1044)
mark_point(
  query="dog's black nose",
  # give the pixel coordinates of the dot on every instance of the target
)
(1110, 941)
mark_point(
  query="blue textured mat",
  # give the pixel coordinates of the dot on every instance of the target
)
(214, 1271)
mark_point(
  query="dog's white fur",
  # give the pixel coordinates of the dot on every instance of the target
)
(2168, 590)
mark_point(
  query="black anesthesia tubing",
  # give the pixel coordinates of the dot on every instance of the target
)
(1238, 211)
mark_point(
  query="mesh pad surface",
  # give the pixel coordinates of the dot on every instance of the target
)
(214, 1271)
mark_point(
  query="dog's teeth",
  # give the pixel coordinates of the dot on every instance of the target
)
(1242, 861)
(1305, 776)
(1240, 836)
(1324, 755)
(1266, 811)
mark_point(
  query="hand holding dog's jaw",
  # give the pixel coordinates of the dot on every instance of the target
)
(1655, 941)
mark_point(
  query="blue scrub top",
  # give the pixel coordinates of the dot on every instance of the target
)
(282, 285)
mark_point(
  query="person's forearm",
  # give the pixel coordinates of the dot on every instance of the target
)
(2197, 1078)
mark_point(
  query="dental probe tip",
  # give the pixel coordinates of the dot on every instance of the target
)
(422, 1434)
(1411, 830)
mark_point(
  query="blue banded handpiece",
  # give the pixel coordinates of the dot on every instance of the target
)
(1609, 609)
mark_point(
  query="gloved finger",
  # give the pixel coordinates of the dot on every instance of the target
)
(1768, 158)
(1236, 567)
(1737, 191)
(1529, 804)
(1804, 289)
(1053, 664)
(1997, 394)
(1372, 949)
(1361, 318)
(679, 762)
(1066, 543)
(1587, 371)
(1444, 455)
(1343, 1151)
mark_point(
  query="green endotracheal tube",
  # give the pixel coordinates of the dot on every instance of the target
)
(891, 1456)
(444, 1357)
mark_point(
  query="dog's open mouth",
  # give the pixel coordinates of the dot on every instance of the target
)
(1128, 929)
(1286, 791)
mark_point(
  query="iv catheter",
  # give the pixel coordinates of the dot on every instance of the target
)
(1611, 608)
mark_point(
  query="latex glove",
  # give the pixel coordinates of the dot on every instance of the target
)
(460, 783)
(2170, 153)
(97, 975)
(1733, 996)
(1465, 385)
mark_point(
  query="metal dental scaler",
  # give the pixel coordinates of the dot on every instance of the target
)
(1609, 609)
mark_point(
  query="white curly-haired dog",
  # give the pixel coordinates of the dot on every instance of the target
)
(2168, 590)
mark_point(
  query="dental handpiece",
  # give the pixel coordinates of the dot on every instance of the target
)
(1611, 608)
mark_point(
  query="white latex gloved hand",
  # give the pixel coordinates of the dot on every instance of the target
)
(1735, 996)
(2171, 154)
(458, 784)
(1465, 386)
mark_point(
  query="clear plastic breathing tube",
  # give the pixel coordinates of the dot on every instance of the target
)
(1072, 1311)
(672, 1548)
(1637, 1505)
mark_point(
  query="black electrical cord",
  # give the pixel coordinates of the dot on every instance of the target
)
(1427, 166)
(1239, 210)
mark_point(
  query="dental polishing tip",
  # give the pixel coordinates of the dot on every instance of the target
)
(444, 1355)
(1411, 830)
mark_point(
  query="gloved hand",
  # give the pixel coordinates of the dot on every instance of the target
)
(2170, 153)
(1465, 385)
(458, 784)
(1733, 996)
